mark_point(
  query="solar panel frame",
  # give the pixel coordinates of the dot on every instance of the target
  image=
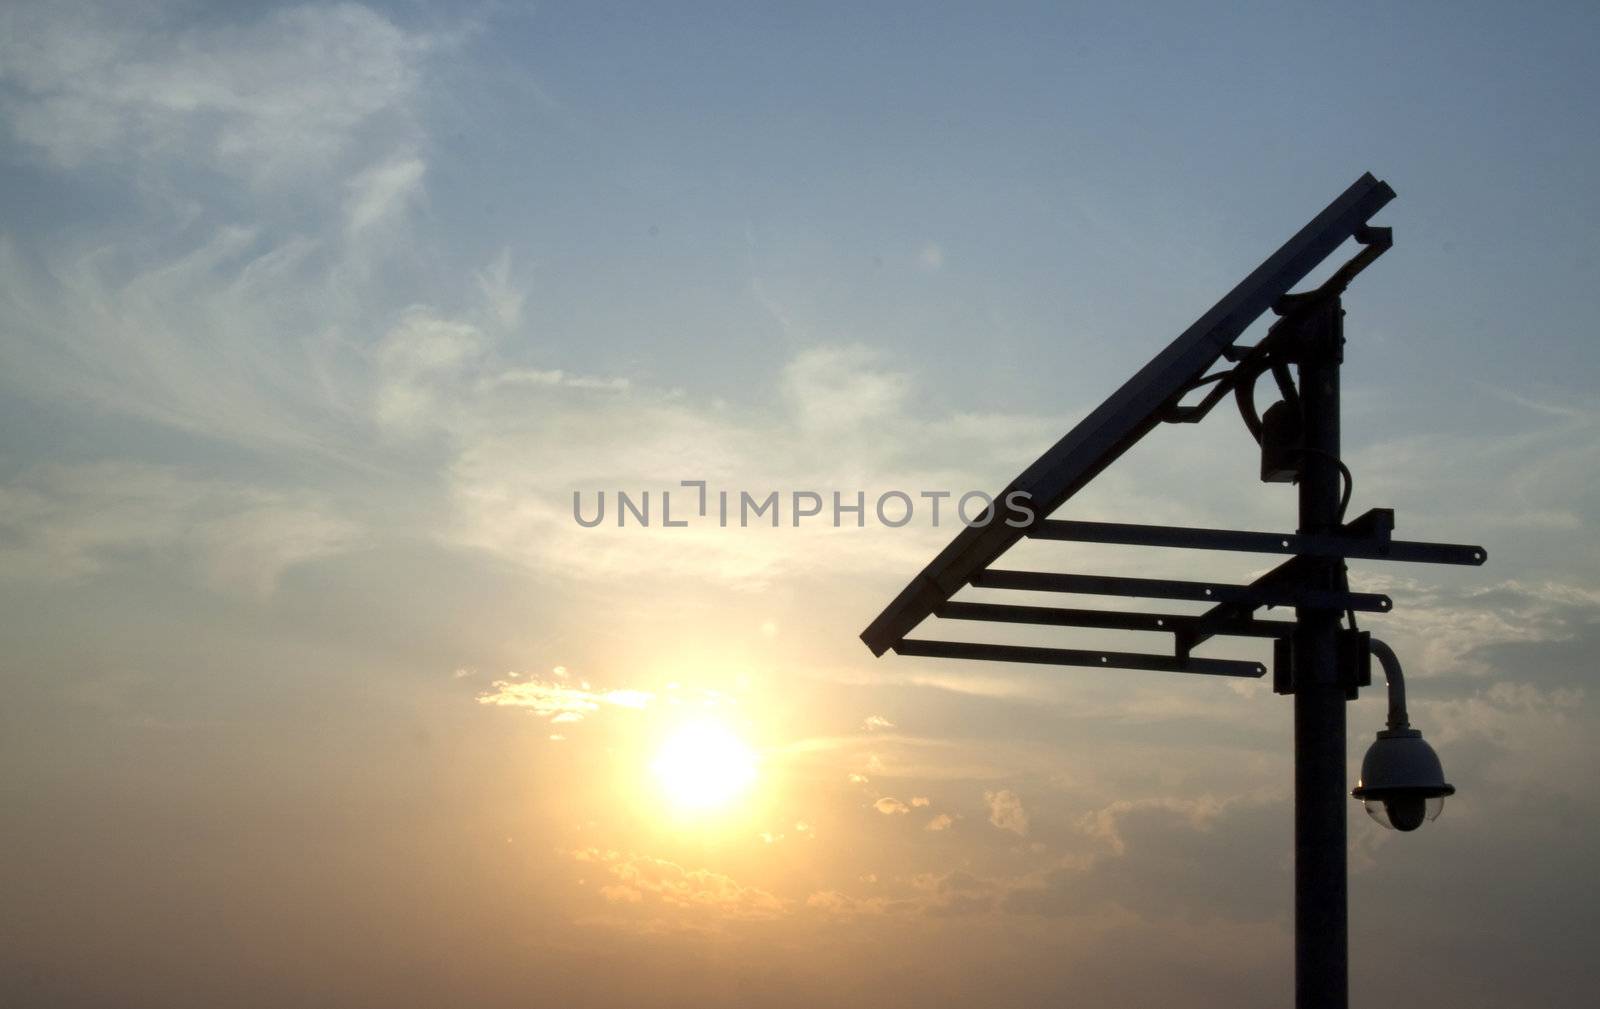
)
(1130, 413)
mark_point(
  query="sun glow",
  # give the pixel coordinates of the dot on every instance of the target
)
(703, 766)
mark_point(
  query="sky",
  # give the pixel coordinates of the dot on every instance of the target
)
(314, 319)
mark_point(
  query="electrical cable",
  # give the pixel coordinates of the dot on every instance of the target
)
(1344, 471)
(1349, 481)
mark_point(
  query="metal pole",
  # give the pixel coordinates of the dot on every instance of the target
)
(1321, 900)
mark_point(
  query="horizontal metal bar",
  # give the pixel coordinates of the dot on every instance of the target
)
(1052, 616)
(1075, 657)
(1414, 552)
(1101, 585)
(1056, 616)
(1262, 543)
(1264, 594)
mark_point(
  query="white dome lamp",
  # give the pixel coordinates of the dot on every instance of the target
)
(1402, 785)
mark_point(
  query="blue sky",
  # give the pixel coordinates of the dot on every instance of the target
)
(312, 319)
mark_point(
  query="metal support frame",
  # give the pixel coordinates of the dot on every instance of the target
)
(1315, 658)
(1292, 583)
(1299, 582)
(1143, 402)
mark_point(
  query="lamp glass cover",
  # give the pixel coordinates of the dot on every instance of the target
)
(1404, 813)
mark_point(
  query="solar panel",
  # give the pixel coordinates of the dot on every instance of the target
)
(1130, 413)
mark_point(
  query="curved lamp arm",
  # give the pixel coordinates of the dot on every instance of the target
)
(1397, 683)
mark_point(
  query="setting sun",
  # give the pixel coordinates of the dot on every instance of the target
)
(703, 766)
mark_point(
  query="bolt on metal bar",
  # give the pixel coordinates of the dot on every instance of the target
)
(1336, 545)
(1261, 593)
(1076, 657)
(1057, 616)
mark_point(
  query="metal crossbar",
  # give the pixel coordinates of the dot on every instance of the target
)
(1363, 548)
(1076, 657)
(1261, 592)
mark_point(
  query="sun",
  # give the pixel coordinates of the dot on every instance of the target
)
(703, 766)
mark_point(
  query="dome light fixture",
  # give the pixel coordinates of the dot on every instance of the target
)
(1402, 784)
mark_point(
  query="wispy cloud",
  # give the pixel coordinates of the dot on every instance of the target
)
(382, 192)
(265, 157)
(1006, 811)
(285, 96)
(643, 879)
(560, 698)
(420, 363)
(65, 522)
(504, 296)
(839, 388)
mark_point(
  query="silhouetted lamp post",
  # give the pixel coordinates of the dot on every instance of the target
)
(1321, 657)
